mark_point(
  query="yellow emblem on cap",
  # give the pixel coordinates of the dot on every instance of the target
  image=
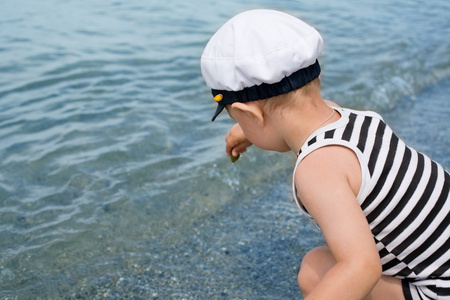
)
(218, 98)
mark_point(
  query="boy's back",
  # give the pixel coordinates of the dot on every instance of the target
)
(404, 195)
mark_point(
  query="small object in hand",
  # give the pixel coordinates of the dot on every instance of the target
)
(234, 158)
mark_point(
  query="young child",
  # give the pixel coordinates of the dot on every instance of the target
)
(384, 209)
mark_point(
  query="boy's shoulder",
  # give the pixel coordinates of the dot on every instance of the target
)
(332, 167)
(367, 113)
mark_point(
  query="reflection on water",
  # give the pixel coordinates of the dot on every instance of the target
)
(113, 181)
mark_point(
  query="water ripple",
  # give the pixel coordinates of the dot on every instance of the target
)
(112, 178)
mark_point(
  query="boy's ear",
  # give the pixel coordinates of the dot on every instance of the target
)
(251, 109)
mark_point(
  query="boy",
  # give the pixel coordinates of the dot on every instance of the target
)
(383, 208)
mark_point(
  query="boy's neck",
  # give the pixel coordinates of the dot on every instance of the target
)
(296, 123)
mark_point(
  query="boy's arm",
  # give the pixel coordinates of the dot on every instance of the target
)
(236, 141)
(327, 181)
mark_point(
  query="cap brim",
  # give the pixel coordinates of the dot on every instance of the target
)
(219, 109)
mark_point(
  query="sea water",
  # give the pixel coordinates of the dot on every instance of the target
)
(114, 184)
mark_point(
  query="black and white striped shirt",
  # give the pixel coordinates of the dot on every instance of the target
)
(404, 195)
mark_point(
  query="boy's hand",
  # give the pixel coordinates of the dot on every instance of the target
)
(236, 141)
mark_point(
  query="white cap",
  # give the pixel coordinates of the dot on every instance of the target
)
(260, 54)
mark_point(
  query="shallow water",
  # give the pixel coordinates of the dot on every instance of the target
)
(114, 183)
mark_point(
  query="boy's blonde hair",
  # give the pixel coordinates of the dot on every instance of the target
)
(284, 101)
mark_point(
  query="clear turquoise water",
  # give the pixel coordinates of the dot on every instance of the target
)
(114, 183)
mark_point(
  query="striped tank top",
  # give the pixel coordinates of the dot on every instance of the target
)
(404, 195)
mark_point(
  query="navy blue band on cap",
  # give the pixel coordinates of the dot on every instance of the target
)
(265, 90)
